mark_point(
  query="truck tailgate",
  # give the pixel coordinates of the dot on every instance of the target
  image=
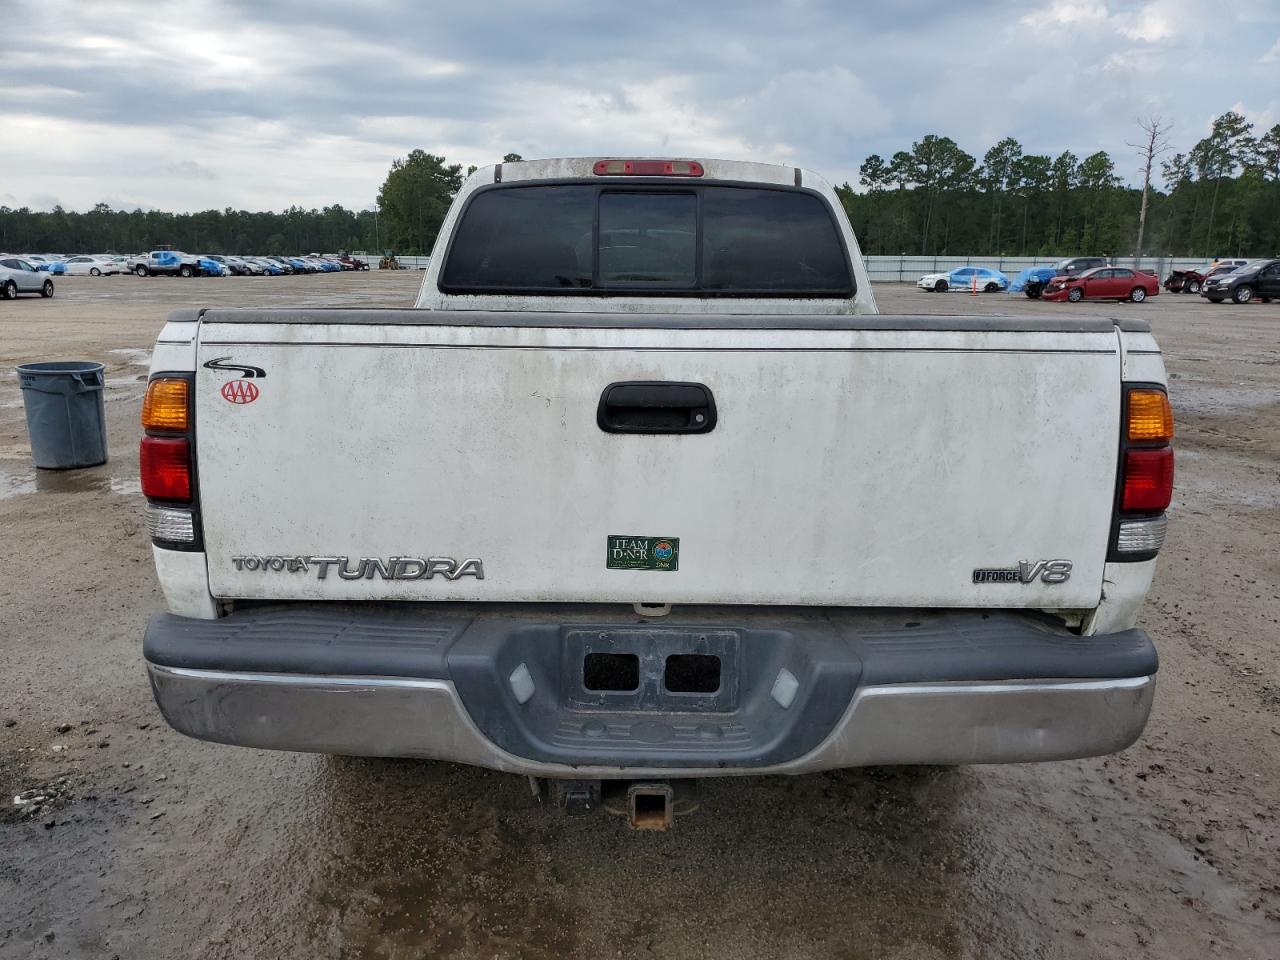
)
(855, 460)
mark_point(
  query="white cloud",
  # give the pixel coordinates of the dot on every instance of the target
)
(1157, 21)
(190, 170)
(260, 106)
(1066, 13)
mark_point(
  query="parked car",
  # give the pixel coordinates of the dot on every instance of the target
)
(1184, 281)
(231, 267)
(1074, 266)
(1259, 278)
(209, 267)
(269, 266)
(1232, 262)
(954, 575)
(1103, 283)
(90, 266)
(961, 278)
(1031, 281)
(22, 276)
(167, 262)
(355, 262)
(45, 264)
(1070, 267)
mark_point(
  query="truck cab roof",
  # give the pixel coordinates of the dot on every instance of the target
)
(642, 258)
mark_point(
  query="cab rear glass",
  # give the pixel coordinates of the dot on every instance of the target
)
(589, 239)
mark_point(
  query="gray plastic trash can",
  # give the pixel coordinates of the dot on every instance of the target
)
(66, 420)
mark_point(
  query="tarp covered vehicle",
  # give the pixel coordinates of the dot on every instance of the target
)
(1031, 281)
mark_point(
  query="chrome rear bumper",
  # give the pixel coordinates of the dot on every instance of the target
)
(899, 723)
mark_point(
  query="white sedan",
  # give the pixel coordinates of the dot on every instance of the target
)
(963, 279)
(90, 266)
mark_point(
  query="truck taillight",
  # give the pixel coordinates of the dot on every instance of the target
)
(165, 405)
(165, 465)
(1148, 479)
(1148, 415)
(165, 462)
(1145, 486)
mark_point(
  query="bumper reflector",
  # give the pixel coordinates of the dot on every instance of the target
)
(1142, 536)
(170, 524)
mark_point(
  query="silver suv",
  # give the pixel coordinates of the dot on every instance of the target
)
(21, 276)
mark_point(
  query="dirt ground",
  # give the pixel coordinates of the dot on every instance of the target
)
(156, 846)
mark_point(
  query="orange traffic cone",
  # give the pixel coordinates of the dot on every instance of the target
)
(973, 291)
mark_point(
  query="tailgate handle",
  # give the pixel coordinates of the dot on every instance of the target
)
(656, 406)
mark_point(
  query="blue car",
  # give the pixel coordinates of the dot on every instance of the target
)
(212, 268)
(961, 278)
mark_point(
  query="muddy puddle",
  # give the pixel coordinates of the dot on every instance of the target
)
(1191, 396)
(138, 357)
(21, 481)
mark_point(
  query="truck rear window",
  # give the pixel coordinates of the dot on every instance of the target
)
(556, 239)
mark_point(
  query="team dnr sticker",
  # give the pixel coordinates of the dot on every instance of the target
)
(642, 553)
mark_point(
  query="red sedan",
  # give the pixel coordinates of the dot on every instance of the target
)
(1103, 283)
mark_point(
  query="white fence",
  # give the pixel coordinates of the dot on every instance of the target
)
(906, 269)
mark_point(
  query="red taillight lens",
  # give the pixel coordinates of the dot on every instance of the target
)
(648, 168)
(165, 465)
(1148, 479)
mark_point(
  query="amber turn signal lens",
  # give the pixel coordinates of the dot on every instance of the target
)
(1150, 416)
(165, 406)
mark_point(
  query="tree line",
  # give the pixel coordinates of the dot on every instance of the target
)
(411, 206)
(1220, 198)
(103, 230)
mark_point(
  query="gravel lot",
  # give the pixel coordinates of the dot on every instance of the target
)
(159, 846)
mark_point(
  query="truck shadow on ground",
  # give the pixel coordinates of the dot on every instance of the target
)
(435, 860)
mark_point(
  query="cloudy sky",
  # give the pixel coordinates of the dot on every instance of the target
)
(260, 105)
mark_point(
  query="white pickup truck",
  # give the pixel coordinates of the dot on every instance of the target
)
(172, 263)
(646, 489)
